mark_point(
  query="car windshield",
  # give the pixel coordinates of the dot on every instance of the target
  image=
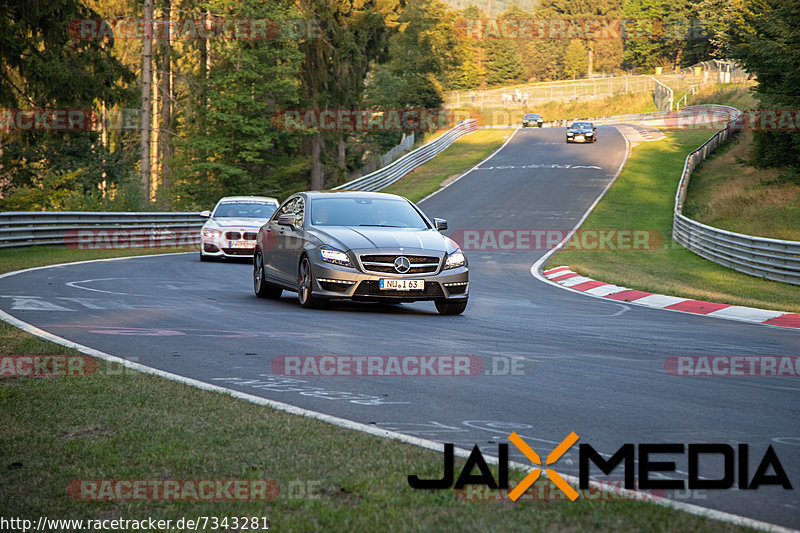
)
(378, 212)
(245, 209)
(582, 125)
(532, 115)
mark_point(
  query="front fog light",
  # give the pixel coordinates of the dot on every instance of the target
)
(454, 260)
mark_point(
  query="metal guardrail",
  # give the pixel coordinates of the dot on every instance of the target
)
(774, 259)
(391, 173)
(99, 230)
(663, 96)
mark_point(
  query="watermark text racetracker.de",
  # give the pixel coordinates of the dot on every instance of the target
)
(355, 120)
(585, 28)
(47, 366)
(41, 119)
(546, 239)
(194, 28)
(121, 239)
(733, 365)
(395, 366)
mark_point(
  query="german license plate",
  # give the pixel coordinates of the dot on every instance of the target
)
(579, 137)
(243, 244)
(402, 284)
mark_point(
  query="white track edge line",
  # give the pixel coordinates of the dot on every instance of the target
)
(357, 426)
(374, 431)
(474, 167)
(536, 268)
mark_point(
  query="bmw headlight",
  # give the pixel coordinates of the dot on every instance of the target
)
(589, 133)
(570, 134)
(455, 259)
(329, 255)
(211, 232)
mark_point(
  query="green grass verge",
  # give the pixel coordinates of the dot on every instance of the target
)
(459, 157)
(642, 199)
(123, 425)
(18, 258)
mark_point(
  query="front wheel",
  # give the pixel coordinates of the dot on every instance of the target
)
(305, 284)
(260, 285)
(451, 308)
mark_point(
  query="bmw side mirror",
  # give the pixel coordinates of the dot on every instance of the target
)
(205, 214)
(440, 224)
(288, 219)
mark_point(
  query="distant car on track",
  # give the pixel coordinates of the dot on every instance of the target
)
(232, 226)
(532, 119)
(582, 132)
(359, 246)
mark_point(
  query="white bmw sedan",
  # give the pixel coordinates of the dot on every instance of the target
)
(232, 226)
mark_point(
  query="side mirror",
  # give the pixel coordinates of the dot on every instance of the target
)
(205, 214)
(440, 224)
(288, 219)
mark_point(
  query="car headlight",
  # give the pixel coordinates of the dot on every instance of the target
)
(588, 133)
(454, 260)
(570, 134)
(329, 255)
(211, 232)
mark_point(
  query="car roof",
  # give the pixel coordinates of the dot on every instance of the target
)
(253, 198)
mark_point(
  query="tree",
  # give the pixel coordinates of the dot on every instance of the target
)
(671, 34)
(47, 67)
(575, 59)
(237, 148)
(582, 19)
(353, 35)
(764, 37)
(423, 52)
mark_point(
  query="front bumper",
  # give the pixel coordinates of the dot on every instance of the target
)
(580, 139)
(221, 247)
(336, 282)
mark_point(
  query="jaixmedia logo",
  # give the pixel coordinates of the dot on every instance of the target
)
(648, 474)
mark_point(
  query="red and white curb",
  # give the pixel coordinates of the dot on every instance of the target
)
(567, 278)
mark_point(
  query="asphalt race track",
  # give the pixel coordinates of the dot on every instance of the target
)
(584, 364)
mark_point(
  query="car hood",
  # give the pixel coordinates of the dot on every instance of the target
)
(360, 238)
(579, 130)
(246, 222)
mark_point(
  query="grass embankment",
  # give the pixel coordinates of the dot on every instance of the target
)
(121, 425)
(739, 95)
(728, 193)
(622, 104)
(725, 192)
(642, 198)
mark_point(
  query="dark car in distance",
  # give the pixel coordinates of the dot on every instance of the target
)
(582, 132)
(532, 119)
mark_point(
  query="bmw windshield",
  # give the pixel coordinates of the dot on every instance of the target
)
(244, 210)
(375, 212)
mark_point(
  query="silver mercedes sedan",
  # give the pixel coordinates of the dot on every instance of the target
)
(359, 246)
